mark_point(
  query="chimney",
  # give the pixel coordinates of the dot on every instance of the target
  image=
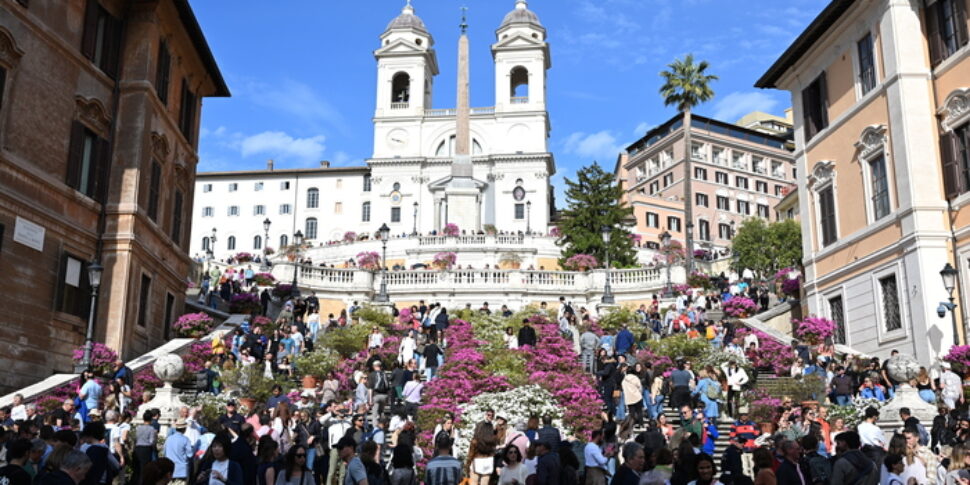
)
(269, 165)
(324, 164)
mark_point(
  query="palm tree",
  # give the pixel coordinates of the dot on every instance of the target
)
(686, 85)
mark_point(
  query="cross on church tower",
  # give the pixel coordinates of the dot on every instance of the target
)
(464, 19)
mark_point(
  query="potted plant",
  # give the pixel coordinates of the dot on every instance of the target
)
(350, 236)
(814, 330)
(445, 260)
(740, 307)
(245, 303)
(265, 324)
(959, 358)
(451, 230)
(490, 229)
(316, 365)
(264, 279)
(581, 262)
(193, 325)
(369, 260)
(764, 411)
(243, 257)
(102, 358)
(291, 251)
(510, 260)
(250, 384)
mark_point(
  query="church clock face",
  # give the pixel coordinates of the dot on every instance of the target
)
(518, 193)
(398, 139)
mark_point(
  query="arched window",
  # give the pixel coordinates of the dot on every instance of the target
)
(310, 231)
(312, 198)
(284, 241)
(258, 242)
(231, 243)
(205, 243)
(400, 90)
(519, 85)
(365, 212)
(447, 147)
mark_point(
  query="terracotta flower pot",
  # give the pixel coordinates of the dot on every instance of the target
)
(249, 402)
(309, 382)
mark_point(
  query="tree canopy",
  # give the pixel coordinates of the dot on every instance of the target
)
(686, 84)
(593, 201)
(767, 248)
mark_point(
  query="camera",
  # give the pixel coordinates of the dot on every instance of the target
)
(941, 310)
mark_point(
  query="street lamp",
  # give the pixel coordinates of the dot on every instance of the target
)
(94, 280)
(690, 238)
(665, 241)
(607, 289)
(298, 243)
(528, 217)
(266, 224)
(382, 296)
(414, 230)
(949, 276)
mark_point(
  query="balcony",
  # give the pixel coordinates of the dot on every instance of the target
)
(400, 105)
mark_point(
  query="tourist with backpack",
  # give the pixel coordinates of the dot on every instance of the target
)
(851, 466)
(709, 391)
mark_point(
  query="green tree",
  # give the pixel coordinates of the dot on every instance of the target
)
(767, 248)
(593, 202)
(686, 85)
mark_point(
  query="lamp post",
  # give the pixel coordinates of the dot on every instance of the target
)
(607, 289)
(382, 296)
(298, 243)
(665, 242)
(528, 217)
(690, 237)
(414, 230)
(212, 243)
(949, 276)
(266, 224)
(94, 279)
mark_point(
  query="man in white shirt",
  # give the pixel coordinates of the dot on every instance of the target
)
(594, 460)
(869, 433)
(952, 387)
(297, 340)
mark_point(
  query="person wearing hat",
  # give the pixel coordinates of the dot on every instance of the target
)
(179, 449)
(231, 419)
(306, 400)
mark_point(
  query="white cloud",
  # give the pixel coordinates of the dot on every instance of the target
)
(737, 104)
(296, 99)
(643, 128)
(279, 145)
(600, 146)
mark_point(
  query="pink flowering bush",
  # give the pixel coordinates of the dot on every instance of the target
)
(369, 260)
(281, 290)
(445, 259)
(264, 279)
(771, 353)
(740, 307)
(662, 364)
(350, 236)
(699, 279)
(243, 257)
(814, 330)
(245, 303)
(764, 408)
(554, 231)
(196, 357)
(792, 287)
(102, 358)
(53, 399)
(581, 262)
(671, 255)
(451, 230)
(265, 324)
(959, 356)
(682, 289)
(145, 380)
(193, 325)
(700, 253)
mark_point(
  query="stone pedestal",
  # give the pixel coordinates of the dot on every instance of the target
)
(385, 307)
(906, 397)
(168, 368)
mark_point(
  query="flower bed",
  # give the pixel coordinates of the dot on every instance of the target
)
(102, 358)
(771, 353)
(264, 279)
(282, 290)
(814, 330)
(740, 307)
(265, 325)
(959, 357)
(581, 262)
(245, 303)
(193, 325)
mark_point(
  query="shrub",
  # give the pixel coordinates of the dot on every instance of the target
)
(346, 341)
(792, 287)
(679, 346)
(372, 315)
(193, 325)
(740, 307)
(771, 354)
(265, 324)
(264, 279)
(698, 279)
(959, 357)
(350, 236)
(243, 257)
(245, 303)
(814, 330)
(282, 290)
(319, 363)
(102, 358)
(581, 262)
(369, 260)
(615, 319)
(249, 381)
(451, 230)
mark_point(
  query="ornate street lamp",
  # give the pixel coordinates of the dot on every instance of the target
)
(528, 217)
(211, 253)
(414, 230)
(665, 242)
(949, 276)
(265, 265)
(298, 243)
(384, 233)
(94, 280)
(607, 289)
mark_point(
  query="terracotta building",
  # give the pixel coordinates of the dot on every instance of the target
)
(737, 172)
(99, 122)
(882, 132)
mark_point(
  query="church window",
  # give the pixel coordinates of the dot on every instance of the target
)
(258, 242)
(519, 78)
(231, 243)
(365, 212)
(311, 228)
(312, 198)
(284, 240)
(519, 211)
(400, 90)
(395, 214)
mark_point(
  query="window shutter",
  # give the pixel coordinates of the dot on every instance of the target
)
(3, 83)
(75, 155)
(807, 110)
(89, 40)
(162, 72)
(952, 184)
(823, 101)
(932, 14)
(112, 46)
(177, 219)
(960, 18)
(101, 170)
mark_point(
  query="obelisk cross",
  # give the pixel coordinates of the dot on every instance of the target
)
(464, 20)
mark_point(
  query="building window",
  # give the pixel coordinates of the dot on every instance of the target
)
(763, 211)
(704, 229)
(205, 243)
(258, 186)
(724, 231)
(154, 186)
(741, 182)
(721, 178)
(365, 212)
(867, 64)
(837, 314)
(697, 152)
(701, 200)
(826, 215)
(723, 203)
(779, 190)
(73, 289)
(890, 303)
(207, 188)
(258, 242)
(177, 218)
(946, 28)
(761, 186)
(654, 187)
(285, 185)
(720, 155)
(101, 42)
(653, 219)
(284, 241)
(880, 187)
(259, 210)
(231, 243)
(367, 183)
(233, 210)
(758, 165)
(162, 71)
(169, 314)
(519, 211)
(395, 214)
(312, 198)
(338, 207)
(187, 112)
(88, 162)
(700, 173)
(744, 208)
(233, 187)
(668, 179)
(815, 107)
(144, 300)
(673, 223)
(340, 183)
(310, 230)
(284, 208)
(208, 212)
(955, 147)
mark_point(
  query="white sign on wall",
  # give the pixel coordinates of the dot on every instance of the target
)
(29, 234)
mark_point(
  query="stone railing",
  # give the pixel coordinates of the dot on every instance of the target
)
(471, 240)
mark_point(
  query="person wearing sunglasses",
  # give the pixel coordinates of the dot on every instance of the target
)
(295, 470)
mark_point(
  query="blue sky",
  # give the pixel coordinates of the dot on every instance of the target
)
(302, 72)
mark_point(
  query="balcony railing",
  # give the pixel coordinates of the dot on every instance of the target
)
(444, 113)
(519, 100)
(400, 105)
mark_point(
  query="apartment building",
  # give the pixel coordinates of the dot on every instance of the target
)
(882, 133)
(99, 121)
(737, 172)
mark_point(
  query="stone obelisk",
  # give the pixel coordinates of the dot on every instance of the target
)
(462, 192)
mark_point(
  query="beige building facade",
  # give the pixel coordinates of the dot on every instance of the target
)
(99, 113)
(879, 90)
